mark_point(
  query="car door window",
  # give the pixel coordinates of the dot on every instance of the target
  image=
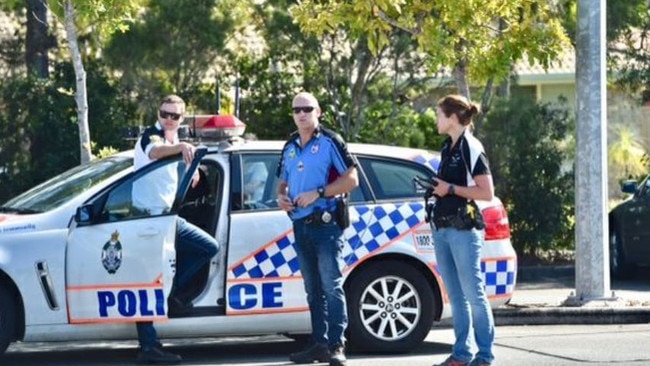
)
(139, 195)
(393, 179)
(254, 181)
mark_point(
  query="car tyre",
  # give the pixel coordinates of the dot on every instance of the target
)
(7, 319)
(618, 264)
(390, 306)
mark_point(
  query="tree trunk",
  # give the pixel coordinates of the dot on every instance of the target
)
(36, 45)
(363, 60)
(81, 96)
(460, 75)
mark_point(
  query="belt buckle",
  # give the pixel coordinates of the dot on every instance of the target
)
(326, 217)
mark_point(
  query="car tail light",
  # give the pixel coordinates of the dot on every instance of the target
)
(496, 223)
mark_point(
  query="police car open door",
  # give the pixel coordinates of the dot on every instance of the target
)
(120, 256)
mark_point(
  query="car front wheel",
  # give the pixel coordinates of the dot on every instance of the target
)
(391, 307)
(7, 319)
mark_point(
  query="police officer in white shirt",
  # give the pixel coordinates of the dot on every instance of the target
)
(155, 195)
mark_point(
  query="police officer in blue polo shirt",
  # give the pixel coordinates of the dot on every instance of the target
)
(314, 168)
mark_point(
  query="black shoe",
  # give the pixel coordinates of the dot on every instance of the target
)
(314, 353)
(337, 356)
(157, 355)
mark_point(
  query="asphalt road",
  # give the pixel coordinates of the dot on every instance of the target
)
(556, 345)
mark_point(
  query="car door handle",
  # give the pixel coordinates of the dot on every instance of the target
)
(149, 232)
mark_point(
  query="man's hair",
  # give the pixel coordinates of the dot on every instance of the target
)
(174, 99)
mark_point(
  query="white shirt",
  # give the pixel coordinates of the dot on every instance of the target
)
(154, 192)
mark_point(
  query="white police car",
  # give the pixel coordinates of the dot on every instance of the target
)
(78, 262)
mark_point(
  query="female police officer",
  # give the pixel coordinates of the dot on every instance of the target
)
(464, 176)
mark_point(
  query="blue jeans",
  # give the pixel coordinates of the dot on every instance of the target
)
(194, 248)
(319, 249)
(458, 254)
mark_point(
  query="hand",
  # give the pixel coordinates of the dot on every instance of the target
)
(306, 198)
(187, 150)
(195, 179)
(441, 189)
(285, 203)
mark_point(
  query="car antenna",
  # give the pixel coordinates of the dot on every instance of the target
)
(218, 98)
(237, 98)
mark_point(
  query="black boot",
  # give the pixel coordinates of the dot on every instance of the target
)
(157, 355)
(313, 353)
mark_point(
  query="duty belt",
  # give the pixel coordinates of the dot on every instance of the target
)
(449, 221)
(322, 217)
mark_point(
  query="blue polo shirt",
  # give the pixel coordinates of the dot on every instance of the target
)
(321, 161)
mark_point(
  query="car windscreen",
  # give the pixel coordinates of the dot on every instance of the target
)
(65, 186)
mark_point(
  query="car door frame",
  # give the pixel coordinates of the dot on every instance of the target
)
(91, 299)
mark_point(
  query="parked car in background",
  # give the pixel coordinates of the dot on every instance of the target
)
(79, 262)
(629, 230)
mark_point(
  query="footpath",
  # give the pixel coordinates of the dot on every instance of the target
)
(545, 295)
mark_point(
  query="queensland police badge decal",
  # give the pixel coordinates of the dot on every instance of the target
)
(112, 253)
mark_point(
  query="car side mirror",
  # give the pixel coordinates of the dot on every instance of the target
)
(84, 214)
(629, 186)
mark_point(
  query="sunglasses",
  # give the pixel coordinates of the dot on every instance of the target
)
(169, 115)
(297, 110)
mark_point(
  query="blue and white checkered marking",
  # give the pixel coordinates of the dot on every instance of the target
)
(499, 276)
(377, 226)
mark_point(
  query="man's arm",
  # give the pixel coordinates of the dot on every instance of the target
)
(346, 182)
(343, 184)
(162, 151)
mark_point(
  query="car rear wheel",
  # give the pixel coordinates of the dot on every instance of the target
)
(391, 307)
(618, 264)
(7, 319)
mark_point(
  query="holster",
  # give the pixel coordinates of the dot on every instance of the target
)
(343, 211)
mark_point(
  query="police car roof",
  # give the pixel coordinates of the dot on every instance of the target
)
(356, 148)
(276, 145)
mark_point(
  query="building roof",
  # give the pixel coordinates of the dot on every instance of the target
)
(560, 71)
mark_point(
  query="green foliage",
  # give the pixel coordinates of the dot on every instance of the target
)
(171, 49)
(38, 128)
(485, 35)
(104, 17)
(628, 25)
(37, 133)
(532, 171)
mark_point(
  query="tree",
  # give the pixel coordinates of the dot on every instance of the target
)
(474, 41)
(101, 17)
(365, 96)
(528, 149)
(38, 41)
(173, 48)
(628, 53)
(626, 153)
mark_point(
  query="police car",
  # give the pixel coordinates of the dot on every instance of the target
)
(79, 262)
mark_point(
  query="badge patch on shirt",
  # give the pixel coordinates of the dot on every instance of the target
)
(112, 253)
(155, 139)
(292, 153)
(314, 149)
